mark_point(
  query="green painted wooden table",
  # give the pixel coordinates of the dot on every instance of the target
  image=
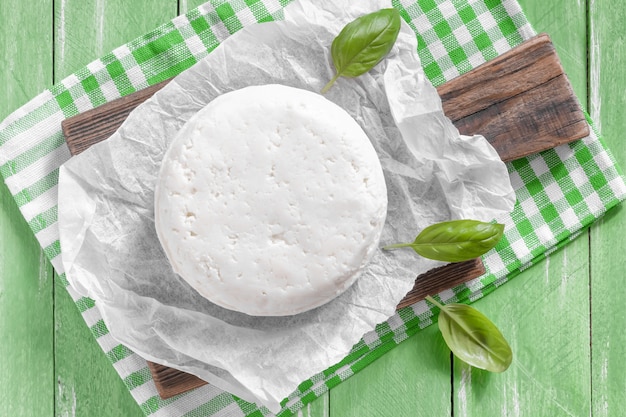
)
(564, 317)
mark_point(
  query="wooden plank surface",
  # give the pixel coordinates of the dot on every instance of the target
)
(96, 125)
(26, 329)
(608, 246)
(521, 101)
(413, 379)
(441, 279)
(86, 383)
(544, 315)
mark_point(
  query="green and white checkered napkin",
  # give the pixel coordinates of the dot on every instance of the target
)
(559, 192)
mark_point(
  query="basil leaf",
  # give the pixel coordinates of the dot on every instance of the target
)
(473, 338)
(455, 241)
(363, 43)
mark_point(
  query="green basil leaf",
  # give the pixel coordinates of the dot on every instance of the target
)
(473, 338)
(363, 43)
(455, 241)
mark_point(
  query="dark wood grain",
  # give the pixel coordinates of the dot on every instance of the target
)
(442, 278)
(170, 382)
(521, 102)
(96, 125)
(545, 125)
(528, 65)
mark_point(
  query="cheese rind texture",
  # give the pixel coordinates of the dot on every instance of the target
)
(270, 201)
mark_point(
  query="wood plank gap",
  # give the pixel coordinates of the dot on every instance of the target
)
(590, 292)
(53, 49)
(55, 391)
(55, 381)
(451, 384)
(589, 97)
(327, 413)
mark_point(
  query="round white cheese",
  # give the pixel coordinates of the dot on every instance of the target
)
(270, 201)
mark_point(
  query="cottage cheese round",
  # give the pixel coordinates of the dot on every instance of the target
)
(270, 201)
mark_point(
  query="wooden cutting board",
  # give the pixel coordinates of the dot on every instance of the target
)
(522, 102)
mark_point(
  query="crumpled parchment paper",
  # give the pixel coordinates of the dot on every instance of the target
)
(111, 252)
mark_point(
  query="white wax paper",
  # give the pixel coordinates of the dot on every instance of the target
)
(111, 252)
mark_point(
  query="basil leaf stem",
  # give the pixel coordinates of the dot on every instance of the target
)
(363, 43)
(472, 337)
(454, 241)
